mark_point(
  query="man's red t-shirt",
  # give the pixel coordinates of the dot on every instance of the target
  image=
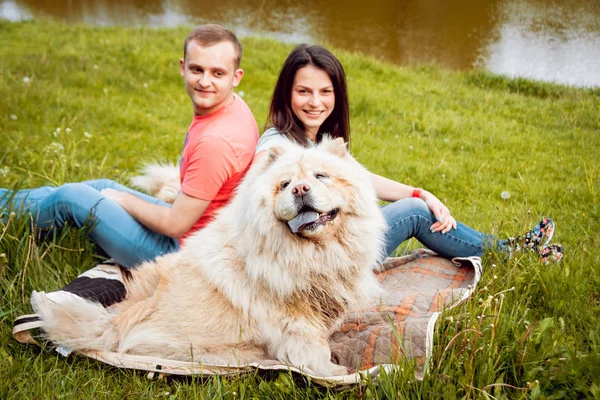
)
(218, 150)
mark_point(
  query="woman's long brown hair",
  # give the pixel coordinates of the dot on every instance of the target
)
(281, 116)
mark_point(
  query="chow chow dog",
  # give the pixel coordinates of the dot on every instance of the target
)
(269, 278)
(161, 180)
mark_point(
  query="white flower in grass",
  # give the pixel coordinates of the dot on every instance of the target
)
(145, 85)
(55, 148)
(241, 93)
(87, 134)
(55, 133)
(68, 130)
(4, 171)
(13, 117)
(26, 79)
(95, 66)
(505, 195)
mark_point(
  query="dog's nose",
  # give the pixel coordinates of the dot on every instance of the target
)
(300, 190)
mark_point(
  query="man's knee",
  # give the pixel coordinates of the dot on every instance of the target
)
(70, 192)
(100, 184)
(74, 201)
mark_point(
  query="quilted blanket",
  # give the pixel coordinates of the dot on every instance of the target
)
(417, 287)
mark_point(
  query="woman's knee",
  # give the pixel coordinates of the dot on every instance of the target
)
(406, 208)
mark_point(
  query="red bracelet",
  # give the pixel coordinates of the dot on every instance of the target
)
(417, 193)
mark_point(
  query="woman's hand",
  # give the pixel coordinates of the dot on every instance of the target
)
(389, 190)
(445, 221)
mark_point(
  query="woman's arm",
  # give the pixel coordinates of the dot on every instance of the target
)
(389, 190)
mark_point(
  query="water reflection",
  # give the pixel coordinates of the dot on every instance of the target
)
(555, 40)
(559, 43)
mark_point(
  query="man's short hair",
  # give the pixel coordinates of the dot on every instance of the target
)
(211, 34)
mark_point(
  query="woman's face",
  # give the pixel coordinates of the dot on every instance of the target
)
(313, 98)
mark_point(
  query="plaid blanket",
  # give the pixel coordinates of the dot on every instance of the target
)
(417, 287)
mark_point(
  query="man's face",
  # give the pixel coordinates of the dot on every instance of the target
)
(210, 75)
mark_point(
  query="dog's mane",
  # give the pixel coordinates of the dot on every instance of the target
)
(287, 264)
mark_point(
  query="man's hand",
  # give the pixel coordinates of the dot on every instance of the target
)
(114, 195)
(173, 221)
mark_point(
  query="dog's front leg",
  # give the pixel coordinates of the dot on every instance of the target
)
(305, 346)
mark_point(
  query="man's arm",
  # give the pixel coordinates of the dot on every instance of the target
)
(211, 162)
(175, 221)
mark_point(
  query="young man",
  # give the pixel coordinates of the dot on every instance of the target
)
(133, 227)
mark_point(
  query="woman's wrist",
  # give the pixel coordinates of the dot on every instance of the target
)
(417, 193)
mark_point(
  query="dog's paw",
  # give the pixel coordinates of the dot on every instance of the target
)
(337, 370)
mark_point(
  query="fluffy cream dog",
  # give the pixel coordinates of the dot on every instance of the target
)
(269, 278)
(160, 180)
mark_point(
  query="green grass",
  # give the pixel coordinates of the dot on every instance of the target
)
(466, 137)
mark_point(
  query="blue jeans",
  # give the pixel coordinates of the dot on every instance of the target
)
(130, 243)
(77, 204)
(411, 217)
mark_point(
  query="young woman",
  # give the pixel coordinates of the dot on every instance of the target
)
(310, 100)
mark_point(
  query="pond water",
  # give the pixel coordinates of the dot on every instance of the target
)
(550, 40)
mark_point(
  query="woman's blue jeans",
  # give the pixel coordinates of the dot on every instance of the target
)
(408, 218)
(77, 204)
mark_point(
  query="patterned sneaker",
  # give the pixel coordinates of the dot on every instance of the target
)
(537, 238)
(552, 253)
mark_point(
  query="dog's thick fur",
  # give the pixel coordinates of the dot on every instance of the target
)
(160, 180)
(246, 287)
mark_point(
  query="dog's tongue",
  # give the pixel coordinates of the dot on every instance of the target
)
(303, 219)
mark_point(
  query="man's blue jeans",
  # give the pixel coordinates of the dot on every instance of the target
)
(411, 217)
(112, 228)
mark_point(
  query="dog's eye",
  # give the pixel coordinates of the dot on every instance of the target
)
(283, 185)
(320, 175)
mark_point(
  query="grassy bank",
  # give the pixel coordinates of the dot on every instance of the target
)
(81, 103)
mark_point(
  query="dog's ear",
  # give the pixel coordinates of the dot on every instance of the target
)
(274, 153)
(336, 146)
(267, 159)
